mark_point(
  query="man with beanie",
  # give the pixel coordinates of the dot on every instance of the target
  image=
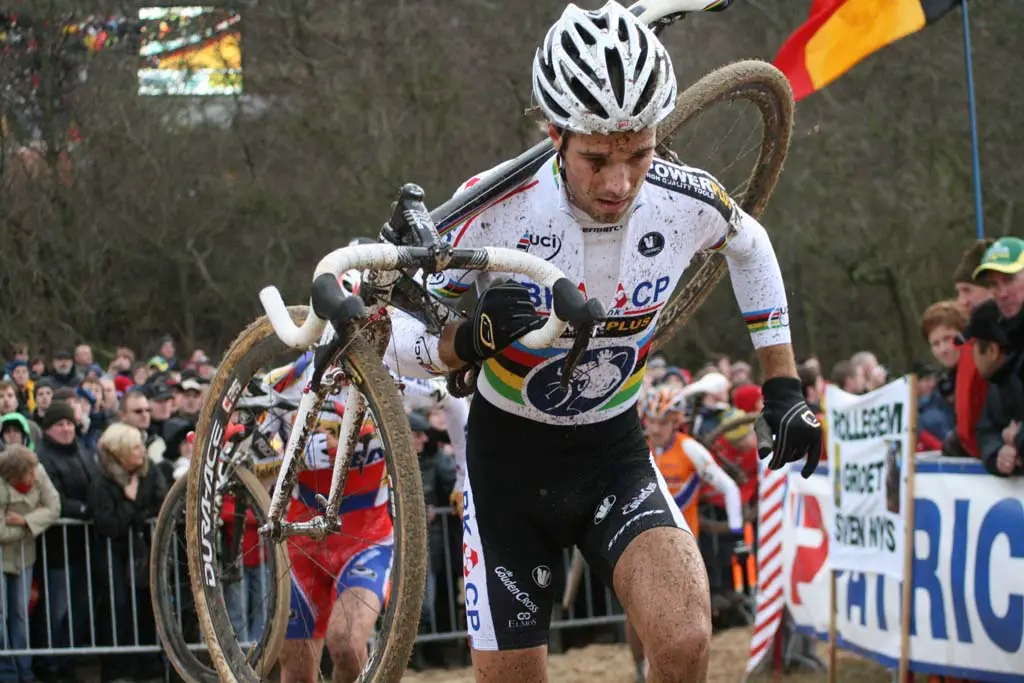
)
(970, 387)
(71, 470)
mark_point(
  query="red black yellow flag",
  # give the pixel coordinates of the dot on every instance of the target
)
(840, 33)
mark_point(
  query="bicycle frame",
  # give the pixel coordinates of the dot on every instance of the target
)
(386, 270)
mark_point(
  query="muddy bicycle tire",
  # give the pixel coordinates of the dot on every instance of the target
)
(765, 86)
(254, 347)
(165, 534)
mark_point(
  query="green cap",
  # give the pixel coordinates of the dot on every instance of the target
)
(1006, 255)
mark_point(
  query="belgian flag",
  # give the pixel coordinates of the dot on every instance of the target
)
(840, 33)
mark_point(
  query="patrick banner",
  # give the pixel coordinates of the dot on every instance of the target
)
(967, 614)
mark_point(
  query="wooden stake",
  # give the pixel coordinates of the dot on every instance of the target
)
(908, 538)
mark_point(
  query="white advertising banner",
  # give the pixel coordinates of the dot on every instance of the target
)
(968, 595)
(868, 441)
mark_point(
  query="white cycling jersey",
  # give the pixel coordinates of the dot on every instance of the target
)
(632, 267)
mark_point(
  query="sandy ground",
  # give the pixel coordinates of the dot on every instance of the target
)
(613, 664)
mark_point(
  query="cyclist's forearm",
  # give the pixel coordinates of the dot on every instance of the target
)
(415, 353)
(757, 284)
(777, 361)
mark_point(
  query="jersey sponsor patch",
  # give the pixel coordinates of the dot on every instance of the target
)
(692, 183)
(596, 378)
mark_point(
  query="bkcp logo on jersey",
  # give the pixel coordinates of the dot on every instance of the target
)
(596, 378)
(545, 246)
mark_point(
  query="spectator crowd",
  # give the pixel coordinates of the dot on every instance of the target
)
(102, 445)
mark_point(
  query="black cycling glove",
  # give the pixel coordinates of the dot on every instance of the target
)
(503, 314)
(795, 428)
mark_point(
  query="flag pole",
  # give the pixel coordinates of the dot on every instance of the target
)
(974, 121)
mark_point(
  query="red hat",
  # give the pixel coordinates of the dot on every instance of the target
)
(746, 397)
(122, 383)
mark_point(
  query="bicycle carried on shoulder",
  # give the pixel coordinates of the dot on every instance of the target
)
(348, 335)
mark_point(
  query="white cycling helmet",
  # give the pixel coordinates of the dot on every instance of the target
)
(603, 72)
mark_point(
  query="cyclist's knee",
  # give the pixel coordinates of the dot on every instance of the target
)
(348, 654)
(680, 656)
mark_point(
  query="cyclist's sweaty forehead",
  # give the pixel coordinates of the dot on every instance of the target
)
(616, 144)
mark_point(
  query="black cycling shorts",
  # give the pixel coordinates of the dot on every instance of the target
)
(533, 489)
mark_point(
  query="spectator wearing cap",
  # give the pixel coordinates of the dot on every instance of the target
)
(62, 371)
(155, 365)
(161, 403)
(942, 323)
(189, 399)
(1000, 439)
(136, 411)
(1002, 270)
(72, 471)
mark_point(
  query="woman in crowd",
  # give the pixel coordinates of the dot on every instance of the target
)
(29, 504)
(129, 492)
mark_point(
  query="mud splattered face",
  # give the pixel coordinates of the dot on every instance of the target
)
(605, 172)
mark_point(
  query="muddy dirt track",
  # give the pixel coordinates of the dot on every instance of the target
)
(613, 664)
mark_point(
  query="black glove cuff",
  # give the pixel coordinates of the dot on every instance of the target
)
(782, 386)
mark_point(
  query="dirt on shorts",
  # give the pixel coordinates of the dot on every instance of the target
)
(613, 664)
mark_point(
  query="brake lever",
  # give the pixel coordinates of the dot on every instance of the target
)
(583, 314)
(583, 334)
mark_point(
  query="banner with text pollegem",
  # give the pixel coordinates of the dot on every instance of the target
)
(868, 442)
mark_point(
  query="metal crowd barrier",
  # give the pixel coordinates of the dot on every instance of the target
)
(594, 605)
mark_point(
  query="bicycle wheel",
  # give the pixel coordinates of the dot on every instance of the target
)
(254, 349)
(171, 596)
(764, 86)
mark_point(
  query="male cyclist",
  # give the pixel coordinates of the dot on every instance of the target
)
(339, 585)
(684, 465)
(551, 467)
